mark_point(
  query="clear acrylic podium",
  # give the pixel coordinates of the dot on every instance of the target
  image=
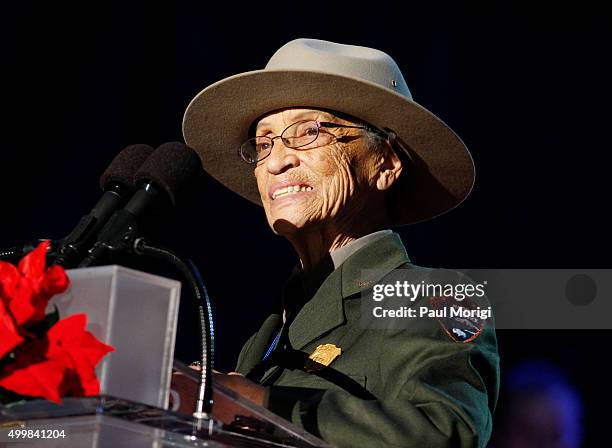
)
(105, 421)
(137, 313)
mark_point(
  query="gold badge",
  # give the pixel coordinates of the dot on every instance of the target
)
(322, 357)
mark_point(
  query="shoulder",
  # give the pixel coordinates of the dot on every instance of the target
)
(443, 303)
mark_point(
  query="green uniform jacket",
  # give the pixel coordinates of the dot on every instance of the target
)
(388, 388)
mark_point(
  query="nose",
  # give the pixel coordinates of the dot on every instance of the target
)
(281, 158)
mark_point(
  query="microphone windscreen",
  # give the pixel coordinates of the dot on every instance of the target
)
(171, 166)
(125, 164)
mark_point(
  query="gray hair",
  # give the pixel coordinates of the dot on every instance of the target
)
(376, 140)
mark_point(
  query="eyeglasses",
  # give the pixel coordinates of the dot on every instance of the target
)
(297, 135)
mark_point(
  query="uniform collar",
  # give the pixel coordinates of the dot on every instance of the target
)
(302, 286)
(325, 309)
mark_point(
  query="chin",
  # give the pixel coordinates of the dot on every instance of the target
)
(283, 227)
(292, 217)
(288, 222)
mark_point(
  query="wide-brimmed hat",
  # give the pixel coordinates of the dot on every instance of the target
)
(365, 83)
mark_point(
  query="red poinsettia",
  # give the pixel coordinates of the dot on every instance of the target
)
(27, 288)
(59, 362)
(9, 334)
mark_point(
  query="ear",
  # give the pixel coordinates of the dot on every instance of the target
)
(389, 170)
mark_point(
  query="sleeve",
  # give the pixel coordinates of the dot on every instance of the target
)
(245, 349)
(444, 400)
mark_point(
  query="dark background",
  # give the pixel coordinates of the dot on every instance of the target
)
(525, 86)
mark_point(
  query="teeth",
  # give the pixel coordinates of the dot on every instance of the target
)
(290, 189)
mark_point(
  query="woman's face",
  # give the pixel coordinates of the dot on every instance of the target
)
(329, 179)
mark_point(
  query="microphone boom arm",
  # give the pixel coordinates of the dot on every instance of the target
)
(189, 270)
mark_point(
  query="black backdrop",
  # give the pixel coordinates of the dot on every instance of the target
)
(525, 86)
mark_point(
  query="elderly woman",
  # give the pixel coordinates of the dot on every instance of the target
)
(332, 145)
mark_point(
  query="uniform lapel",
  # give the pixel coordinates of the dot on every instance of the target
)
(325, 311)
(320, 314)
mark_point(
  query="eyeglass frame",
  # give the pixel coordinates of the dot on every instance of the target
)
(320, 124)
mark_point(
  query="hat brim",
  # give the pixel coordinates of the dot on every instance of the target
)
(440, 174)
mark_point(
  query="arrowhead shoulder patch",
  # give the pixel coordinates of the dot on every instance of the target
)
(459, 326)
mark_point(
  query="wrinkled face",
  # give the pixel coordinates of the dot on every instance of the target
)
(314, 185)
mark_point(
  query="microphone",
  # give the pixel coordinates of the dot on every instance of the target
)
(117, 184)
(170, 166)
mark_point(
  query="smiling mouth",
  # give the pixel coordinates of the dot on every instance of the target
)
(291, 189)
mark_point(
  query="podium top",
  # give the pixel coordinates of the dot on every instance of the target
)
(113, 270)
(163, 426)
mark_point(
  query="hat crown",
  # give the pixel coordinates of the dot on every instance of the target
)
(351, 61)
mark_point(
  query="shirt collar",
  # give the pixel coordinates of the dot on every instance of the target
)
(339, 255)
